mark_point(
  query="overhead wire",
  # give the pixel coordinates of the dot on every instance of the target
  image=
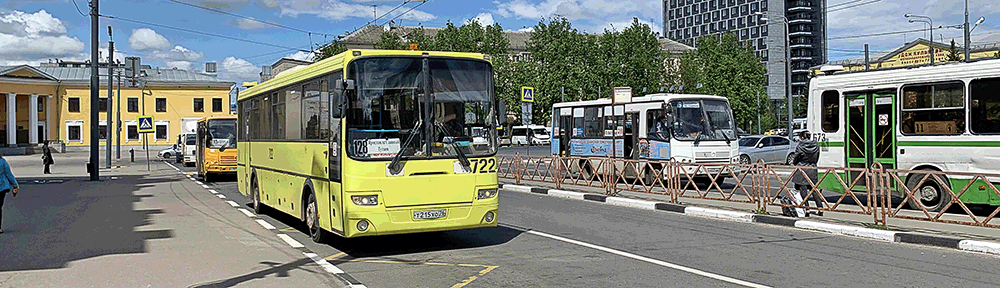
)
(78, 9)
(197, 32)
(828, 10)
(244, 17)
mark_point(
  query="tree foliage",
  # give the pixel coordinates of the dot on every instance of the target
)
(389, 40)
(953, 53)
(328, 50)
(724, 66)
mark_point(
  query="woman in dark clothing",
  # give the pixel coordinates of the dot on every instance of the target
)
(47, 157)
(807, 155)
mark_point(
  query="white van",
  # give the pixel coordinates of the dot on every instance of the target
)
(190, 144)
(539, 136)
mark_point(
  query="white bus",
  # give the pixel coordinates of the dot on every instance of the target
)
(701, 130)
(941, 118)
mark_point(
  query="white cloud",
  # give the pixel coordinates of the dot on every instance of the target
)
(247, 24)
(304, 56)
(338, 11)
(178, 57)
(484, 19)
(619, 26)
(238, 70)
(29, 38)
(147, 39)
(528, 29)
(119, 55)
(581, 9)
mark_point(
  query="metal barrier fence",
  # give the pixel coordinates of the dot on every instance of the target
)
(875, 191)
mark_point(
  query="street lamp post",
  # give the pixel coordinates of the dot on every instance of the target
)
(968, 30)
(788, 68)
(928, 21)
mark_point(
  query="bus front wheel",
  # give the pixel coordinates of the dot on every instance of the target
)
(930, 194)
(316, 232)
(258, 207)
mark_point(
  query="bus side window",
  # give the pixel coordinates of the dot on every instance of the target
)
(830, 110)
(652, 119)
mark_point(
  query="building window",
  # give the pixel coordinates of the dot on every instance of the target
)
(216, 104)
(725, 14)
(985, 105)
(133, 105)
(132, 131)
(161, 104)
(41, 103)
(74, 104)
(933, 109)
(102, 105)
(754, 7)
(161, 130)
(103, 130)
(74, 131)
(199, 104)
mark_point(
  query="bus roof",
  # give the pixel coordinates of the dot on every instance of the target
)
(894, 77)
(658, 97)
(338, 61)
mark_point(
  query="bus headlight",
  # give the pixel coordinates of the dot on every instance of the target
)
(487, 193)
(367, 200)
(362, 225)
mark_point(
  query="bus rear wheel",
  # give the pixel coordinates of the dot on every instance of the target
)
(316, 232)
(931, 195)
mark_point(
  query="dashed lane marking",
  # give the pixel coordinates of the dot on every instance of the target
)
(245, 212)
(205, 186)
(213, 191)
(264, 224)
(290, 241)
(233, 203)
(221, 196)
(645, 259)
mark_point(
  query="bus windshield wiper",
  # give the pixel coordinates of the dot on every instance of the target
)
(698, 138)
(395, 166)
(462, 158)
(728, 142)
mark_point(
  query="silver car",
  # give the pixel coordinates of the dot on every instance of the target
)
(771, 149)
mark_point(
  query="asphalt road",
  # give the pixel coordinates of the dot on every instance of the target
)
(553, 242)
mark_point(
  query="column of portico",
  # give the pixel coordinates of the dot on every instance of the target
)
(11, 120)
(33, 119)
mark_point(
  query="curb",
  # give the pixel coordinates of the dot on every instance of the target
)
(861, 232)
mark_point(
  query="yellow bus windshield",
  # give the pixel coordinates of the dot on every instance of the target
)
(397, 109)
(221, 133)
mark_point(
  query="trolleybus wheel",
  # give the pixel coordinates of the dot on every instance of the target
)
(931, 195)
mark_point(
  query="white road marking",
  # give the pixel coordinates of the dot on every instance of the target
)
(323, 263)
(234, 204)
(213, 191)
(221, 196)
(245, 212)
(290, 241)
(266, 225)
(649, 260)
(199, 182)
(205, 186)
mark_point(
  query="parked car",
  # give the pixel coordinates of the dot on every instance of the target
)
(539, 136)
(771, 149)
(169, 153)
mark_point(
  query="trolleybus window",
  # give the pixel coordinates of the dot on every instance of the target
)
(831, 111)
(933, 109)
(985, 106)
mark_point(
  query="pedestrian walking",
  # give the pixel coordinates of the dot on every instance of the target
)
(807, 155)
(7, 184)
(47, 157)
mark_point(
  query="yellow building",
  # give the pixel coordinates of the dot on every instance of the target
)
(912, 54)
(56, 102)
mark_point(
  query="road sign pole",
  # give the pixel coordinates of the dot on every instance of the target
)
(527, 97)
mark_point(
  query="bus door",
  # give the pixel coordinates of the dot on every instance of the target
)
(566, 128)
(871, 131)
(335, 156)
(631, 137)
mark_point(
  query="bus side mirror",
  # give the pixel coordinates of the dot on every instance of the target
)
(338, 97)
(501, 112)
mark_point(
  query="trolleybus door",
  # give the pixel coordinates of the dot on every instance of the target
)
(871, 132)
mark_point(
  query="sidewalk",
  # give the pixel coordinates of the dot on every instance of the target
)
(895, 224)
(138, 229)
(74, 164)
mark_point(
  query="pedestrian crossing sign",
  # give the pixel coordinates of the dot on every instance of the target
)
(145, 124)
(527, 94)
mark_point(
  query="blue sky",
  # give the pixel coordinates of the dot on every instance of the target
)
(34, 31)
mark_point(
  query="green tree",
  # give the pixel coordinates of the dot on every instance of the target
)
(389, 40)
(633, 58)
(328, 50)
(953, 53)
(419, 36)
(563, 58)
(724, 66)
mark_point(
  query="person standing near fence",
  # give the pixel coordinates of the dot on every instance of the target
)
(47, 157)
(7, 184)
(807, 155)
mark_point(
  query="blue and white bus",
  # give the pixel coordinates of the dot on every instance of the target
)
(697, 129)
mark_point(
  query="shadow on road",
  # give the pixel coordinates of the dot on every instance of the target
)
(278, 269)
(52, 223)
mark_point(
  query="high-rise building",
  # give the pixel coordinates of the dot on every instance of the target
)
(686, 20)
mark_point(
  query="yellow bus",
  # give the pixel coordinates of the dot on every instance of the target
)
(374, 142)
(216, 142)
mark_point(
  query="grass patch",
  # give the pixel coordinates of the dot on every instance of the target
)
(761, 211)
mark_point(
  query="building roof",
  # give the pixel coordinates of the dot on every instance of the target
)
(672, 46)
(883, 55)
(81, 75)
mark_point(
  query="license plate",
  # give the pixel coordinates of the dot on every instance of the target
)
(434, 214)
